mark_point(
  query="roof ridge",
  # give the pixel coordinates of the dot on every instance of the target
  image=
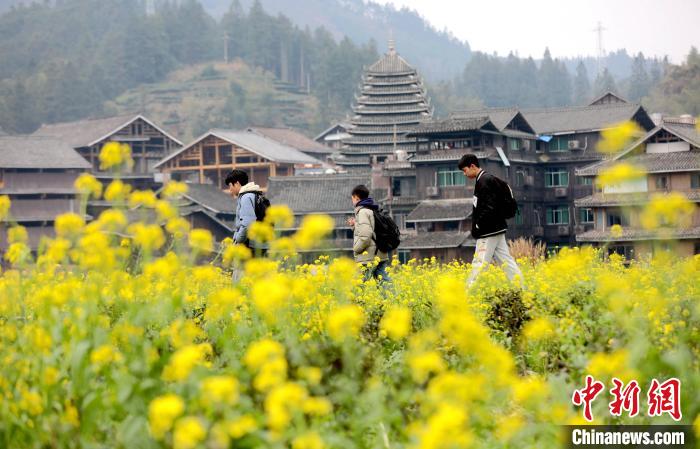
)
(581, 108)
(86, 120)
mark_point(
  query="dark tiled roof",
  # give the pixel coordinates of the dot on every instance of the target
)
(500, 117)
(607, 98)
(348, 159)
(263, 146)
(228, 225)
(363, 109)
(443, 239)
(38, 152)
(651, 163)
(85, 133)
(687, 132)
(446, 155)
(388, 120)
(403, 201)
(310, 194)
(294, 139)
(623, 199)
(453, 125)
(441, 210)
(582, 118)
(391, 63)
(629, 235)
(211, 197)
(518, 134)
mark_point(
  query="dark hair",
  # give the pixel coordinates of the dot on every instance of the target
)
(467, 160)
(361, 191)
(236, 176)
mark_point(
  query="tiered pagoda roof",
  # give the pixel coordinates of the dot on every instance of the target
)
(392, 102)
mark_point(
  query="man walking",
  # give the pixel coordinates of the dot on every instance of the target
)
(488, 224)
(364, 246)
(245, 192)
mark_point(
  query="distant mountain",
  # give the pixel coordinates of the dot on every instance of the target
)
(437, 54)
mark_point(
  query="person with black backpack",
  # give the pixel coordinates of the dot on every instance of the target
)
(374, 235)
(493, 204)
(251, 206)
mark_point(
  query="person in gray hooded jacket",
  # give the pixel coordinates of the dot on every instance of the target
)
(238, 186)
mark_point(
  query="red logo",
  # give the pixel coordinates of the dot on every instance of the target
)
(587, 395)
(665, 398)
(661, 397)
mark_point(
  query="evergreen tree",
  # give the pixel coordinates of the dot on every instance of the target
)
(603, 83)
(582, 85)
(639, 81)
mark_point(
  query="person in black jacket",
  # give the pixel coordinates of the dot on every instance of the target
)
(488, 224)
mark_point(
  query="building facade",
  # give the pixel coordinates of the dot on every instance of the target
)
(149, 144)
(38, 175)
(669, 155)
(210, 157)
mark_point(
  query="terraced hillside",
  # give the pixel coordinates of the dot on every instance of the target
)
(198, 97)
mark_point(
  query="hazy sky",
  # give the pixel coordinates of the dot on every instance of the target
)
(659, 27)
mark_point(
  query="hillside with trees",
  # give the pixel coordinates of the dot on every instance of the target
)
(70, 59)
(198, 97)
(679, 92)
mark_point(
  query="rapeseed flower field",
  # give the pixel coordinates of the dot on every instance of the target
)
(131, 334)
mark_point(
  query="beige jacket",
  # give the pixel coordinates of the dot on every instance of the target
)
(363, 247)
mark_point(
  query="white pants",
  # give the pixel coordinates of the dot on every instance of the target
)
(494, 248)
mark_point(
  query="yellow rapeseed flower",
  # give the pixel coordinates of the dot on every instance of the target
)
(279, 216)
(201, 241)
(538, 329)
(162, 412)
(616, 230)
(4, 207)
(425, 363)
(261, 232)
(220, 390)
(174, 189)
(69, 225)
(117, 191)
(618, 136)
(88, 185)
(241, 426)
(261, 352)
(17, 234)
(619, 173)
(308, 440)
(345, 322)
(149, 237)
(178, 227)
(142, 198)
(670, 210)
(104, 355)
(314, 228)
(115, 155)
(396, 322)
(184, 360)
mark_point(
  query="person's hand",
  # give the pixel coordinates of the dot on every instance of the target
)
(351, 222)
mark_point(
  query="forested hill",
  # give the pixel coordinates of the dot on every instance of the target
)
(438, 54)
(62, 61)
